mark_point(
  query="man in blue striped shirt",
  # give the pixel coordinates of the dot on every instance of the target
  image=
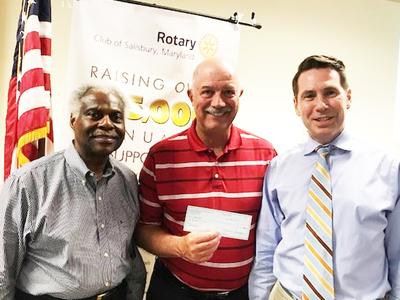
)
(67, 220)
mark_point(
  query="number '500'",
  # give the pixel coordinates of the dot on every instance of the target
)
(160, 111)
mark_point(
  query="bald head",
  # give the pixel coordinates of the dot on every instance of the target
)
(212, 68)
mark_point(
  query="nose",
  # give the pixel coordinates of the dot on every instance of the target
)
(217, 100)
(321, 103)
(106, 122)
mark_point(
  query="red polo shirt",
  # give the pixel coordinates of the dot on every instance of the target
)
(181, 171)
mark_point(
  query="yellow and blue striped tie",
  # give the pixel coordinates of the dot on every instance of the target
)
(318, 255)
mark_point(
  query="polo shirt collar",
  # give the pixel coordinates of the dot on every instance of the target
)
(234, 142)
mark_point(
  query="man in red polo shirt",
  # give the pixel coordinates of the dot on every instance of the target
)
(213, 164)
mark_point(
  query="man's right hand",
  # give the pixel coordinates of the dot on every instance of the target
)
(197, 247)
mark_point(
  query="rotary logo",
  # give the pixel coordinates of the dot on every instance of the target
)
(208, 45)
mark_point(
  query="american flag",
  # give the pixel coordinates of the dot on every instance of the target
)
(29, 130)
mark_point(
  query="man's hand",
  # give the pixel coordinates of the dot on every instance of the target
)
(194, 247)
(197, 247)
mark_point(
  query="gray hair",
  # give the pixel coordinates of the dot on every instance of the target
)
(84, 90)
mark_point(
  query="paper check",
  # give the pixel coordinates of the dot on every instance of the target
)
(228, 224)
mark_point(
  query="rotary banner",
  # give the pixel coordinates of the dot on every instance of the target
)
(149, 53)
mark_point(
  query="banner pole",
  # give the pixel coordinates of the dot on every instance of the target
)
(233, 19)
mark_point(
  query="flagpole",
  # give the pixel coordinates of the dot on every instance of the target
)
(233, 19)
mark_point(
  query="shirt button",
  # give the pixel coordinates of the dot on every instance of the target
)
(100, 198)
(107, 283)
(83, 182)
(216, 176)
(105, 254)
(102, 225)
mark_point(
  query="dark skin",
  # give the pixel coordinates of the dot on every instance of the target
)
(99, 129)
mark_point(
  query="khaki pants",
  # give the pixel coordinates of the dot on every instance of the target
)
(278, 293)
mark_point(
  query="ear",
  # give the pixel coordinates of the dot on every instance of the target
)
(348, 100)
(190, 94)
(72, 120)
(296, 106)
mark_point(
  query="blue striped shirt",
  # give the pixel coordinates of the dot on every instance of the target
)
(66, 234)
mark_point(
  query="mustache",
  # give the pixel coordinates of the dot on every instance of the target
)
(221, 110)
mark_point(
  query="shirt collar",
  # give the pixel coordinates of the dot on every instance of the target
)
(79, 167)
(234, 142)
(343, 142)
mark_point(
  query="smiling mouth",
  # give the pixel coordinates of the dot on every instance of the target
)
(105, 138)
(323, 119)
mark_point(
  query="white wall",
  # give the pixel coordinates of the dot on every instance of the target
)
(363, 33)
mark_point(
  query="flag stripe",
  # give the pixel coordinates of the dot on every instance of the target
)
(45, 29)
(31, 80)
(35, 61)
(32, 120)
(11, 126)
(35, 24)
(42, 100)
(34, 41)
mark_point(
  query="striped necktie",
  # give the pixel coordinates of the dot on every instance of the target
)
(318, 251)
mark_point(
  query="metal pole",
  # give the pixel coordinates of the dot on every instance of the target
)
(233, 19)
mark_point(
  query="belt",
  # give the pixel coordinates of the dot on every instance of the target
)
(116, 293)
(197, 293)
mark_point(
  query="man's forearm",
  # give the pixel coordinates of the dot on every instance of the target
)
(157, 241)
